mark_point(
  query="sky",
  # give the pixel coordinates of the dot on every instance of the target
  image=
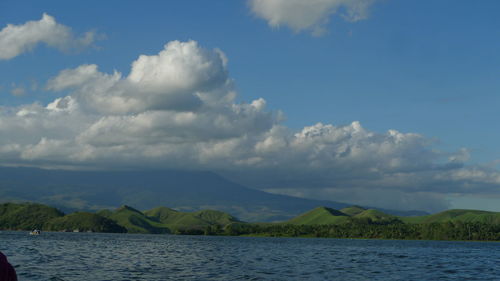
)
(383, 103)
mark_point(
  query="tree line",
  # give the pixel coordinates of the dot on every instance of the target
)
(367, 229)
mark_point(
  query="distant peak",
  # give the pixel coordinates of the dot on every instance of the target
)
(356, 207)
(164, 209)
(353, 210)
(126, 207)
(329, 210)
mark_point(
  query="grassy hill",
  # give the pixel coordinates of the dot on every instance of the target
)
(326, 222)
(84, 221)
(375, 216)
(324, 215)
(134, 221)
(320, 215)
(176, 220)
(353, 210)
(455, 216)
(26, 216)
(166, 220)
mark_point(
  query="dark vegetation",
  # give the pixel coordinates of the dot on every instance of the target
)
(351, 222)
(26, 216)
(367, 229)
(83, 221)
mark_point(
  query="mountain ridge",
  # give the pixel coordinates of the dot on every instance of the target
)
(181, 190)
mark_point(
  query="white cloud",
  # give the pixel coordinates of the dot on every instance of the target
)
(181, 77)
(17, 39)
(311, 15)
(177, 109)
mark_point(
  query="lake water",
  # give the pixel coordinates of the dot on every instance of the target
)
(97, 256)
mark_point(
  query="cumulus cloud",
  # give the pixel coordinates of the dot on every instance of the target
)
(17, 39)
(177, 109)
(311, 15)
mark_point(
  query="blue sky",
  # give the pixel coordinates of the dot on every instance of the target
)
(425, 67)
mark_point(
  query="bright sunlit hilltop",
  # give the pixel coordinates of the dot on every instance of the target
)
(260, 109)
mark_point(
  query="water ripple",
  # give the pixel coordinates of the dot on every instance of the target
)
(95, 256)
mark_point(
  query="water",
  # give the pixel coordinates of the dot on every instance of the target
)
(96, 256)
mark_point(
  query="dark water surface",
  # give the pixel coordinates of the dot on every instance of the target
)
(95, 256)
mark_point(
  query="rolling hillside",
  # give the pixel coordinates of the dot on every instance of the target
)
(166, 220)
(353, 210)
(375, 216)
(176, 220)
(83, 221)
(320, 215)
(26, 216)
(134, 221)
(457, 215)
(323, 215)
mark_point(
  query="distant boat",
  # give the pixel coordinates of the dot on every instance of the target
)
(35, 232)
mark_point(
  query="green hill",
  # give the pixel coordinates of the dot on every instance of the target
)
(324, 215)
(26, 216)
(353, 210)
(457, 215)
(375, 216)
(176, 220)
(320, 215)
(134, 221)
(215, 217)
(83, 221)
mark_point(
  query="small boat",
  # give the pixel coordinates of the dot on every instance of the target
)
(35, 232)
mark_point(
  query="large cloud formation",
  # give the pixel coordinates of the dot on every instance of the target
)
(17, 39)
(311, 15)
(178, 109)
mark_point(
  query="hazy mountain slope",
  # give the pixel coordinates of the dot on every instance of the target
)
(182, 190)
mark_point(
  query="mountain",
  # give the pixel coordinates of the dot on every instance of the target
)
(457, 215)
(353, 210)
(181, 190)
(83, 221)
(176, 220)
(26, 216)
(166, 220)
(320, 215)
(134, 221)
(374, 215)
(29, 216)
(324, 215)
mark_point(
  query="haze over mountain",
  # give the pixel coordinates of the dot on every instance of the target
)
(182, 190)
